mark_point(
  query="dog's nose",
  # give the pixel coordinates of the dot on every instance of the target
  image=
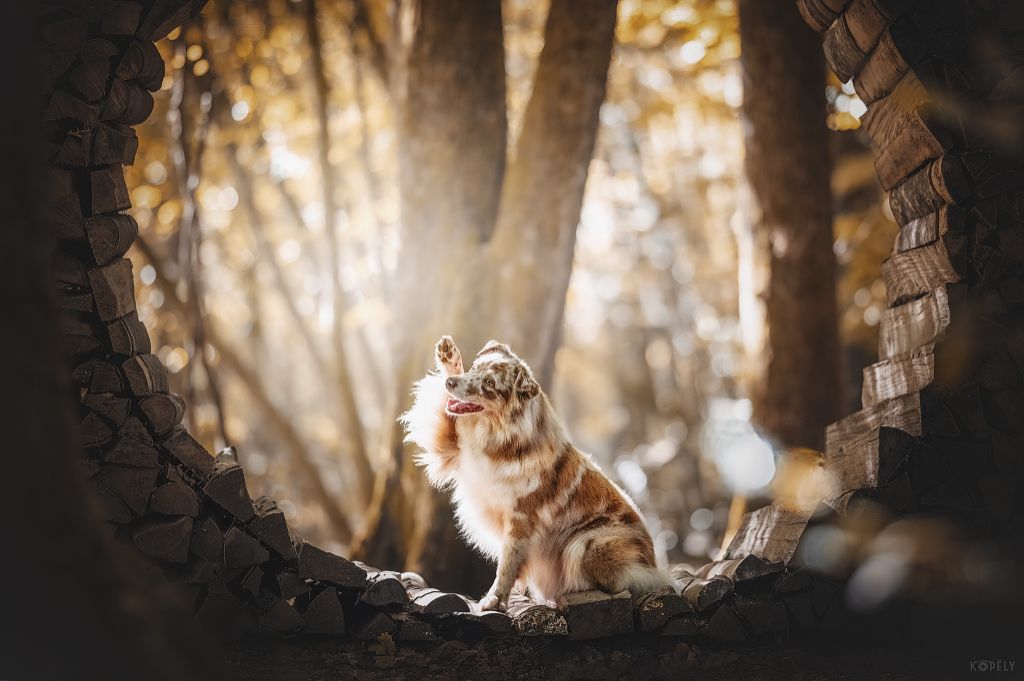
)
(451, 383)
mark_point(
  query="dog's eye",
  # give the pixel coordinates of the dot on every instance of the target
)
(489, 382)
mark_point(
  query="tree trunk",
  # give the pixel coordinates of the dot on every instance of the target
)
(543, 192)
(788, 169)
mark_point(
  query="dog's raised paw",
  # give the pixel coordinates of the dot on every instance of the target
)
(447, 355)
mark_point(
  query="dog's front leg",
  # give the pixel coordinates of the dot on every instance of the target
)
(510, 563)
(447, 357)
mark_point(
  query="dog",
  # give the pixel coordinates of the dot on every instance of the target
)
(524, 495)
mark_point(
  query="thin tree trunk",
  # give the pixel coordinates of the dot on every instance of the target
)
(788, 169)
(543, 191)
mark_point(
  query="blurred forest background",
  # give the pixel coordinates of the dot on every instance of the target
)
(313, 216)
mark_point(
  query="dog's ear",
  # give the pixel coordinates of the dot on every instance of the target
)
(494, 346)
(526, 387)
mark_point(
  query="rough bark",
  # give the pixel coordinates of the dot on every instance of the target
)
(788, 169)
(543, 190)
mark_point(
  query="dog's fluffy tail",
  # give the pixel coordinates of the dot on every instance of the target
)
(641, 579)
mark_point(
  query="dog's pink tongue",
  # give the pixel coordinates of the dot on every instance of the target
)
(457, 406)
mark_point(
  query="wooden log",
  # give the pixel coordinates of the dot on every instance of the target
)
(384, 590)
(187, 450)
(114, 143)
(867, 21)
(412, 629)
(165, 539)
(108, 191)
(252, 582)
(913, 145)
(887, 64)
(89, 79)
(930, 228)
(123, 18)
(130, 484)
(652, 611)
(425, 600)
(682, 625)
(128, 335)
(226, 487)
(133, 429)
(530, 618)
(887, 116)
(792, 581)
(271, 528)
(596, 614)
(174, 498)
(69, 270)
(71, 301)
(819, 14)
(367, 624)
(111, 407)
(65, 215)
(324, 614)
(146, 374)
(914, 324)
(290, 585)
(942, 181)
(208, 541)
(763, 618)
(475, 624)
(127, 103)
(241, 550)
(703, 594)
(771, 532)
(113, 289)
(64, 106)
(163, 412)
(725, 625)
(142, 63)
(858, 447)
(111, 508)
(127, 451)
(841, 51)
(315, 563)
(105, 379)
(916, 272)
(742, 570)
(163, 16)
(110, 236)
(897, 376)
(76, 149)
(281, 619)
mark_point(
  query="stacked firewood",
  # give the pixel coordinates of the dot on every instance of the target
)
(940, 428)
(942, 424)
